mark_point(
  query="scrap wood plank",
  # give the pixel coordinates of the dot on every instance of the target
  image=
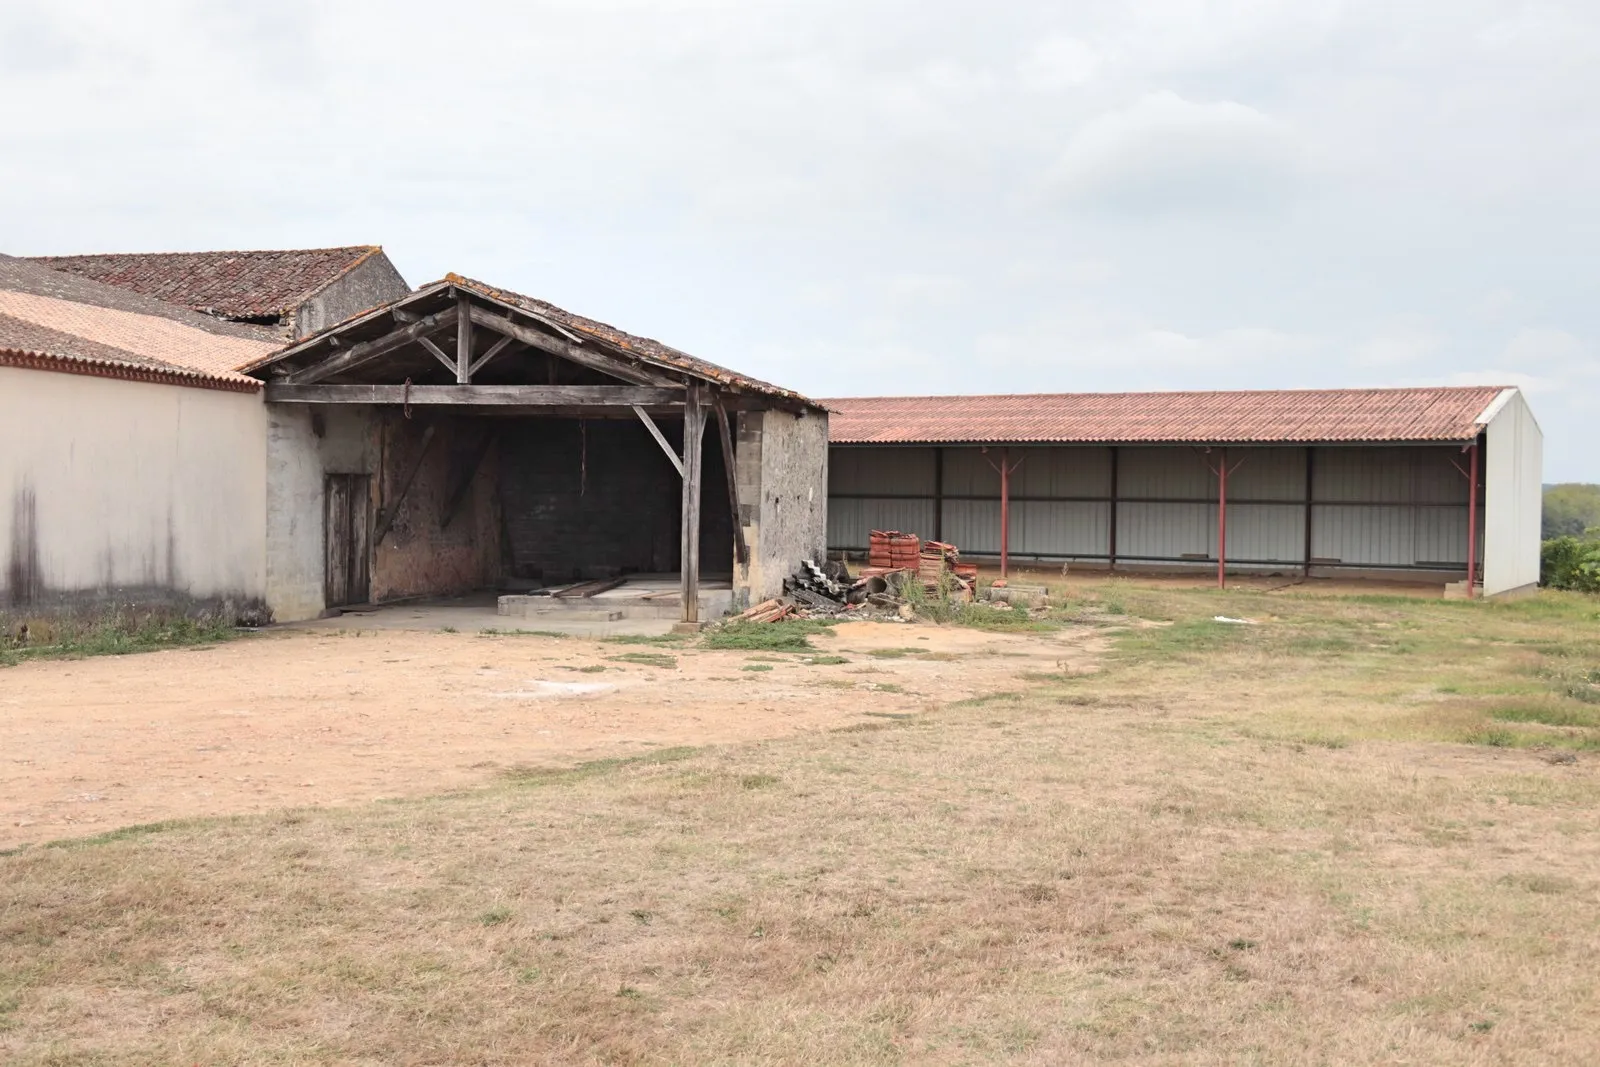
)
(590, 588)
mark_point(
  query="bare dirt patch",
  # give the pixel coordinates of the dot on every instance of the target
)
(333, 717)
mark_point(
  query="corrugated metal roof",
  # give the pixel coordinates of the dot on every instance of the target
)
(234, 285)
(1254, 417)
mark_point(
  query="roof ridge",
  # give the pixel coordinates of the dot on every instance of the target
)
(1176, 392)
(366, 250)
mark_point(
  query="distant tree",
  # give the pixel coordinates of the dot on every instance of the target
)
(1570, 509)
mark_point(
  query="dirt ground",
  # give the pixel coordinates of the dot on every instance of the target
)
(327, 717)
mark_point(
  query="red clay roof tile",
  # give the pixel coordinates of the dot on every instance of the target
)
(233, 285)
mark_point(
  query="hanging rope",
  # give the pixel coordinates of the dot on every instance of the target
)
(583, 457)
(406, 398)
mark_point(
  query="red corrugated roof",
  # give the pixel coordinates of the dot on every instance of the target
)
(1257, 417)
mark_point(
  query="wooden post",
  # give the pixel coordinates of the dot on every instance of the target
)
(694, 422)
(938, 494)
(463, 341)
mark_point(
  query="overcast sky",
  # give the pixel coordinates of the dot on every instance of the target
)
(880, 197)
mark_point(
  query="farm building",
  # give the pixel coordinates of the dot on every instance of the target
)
(443, 441)
(1319, 483)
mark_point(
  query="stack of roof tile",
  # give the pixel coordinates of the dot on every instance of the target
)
(893, 550)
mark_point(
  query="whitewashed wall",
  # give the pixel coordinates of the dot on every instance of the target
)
(118, 492)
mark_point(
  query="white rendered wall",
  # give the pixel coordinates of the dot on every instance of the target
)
(118, 492)
(1513, 497)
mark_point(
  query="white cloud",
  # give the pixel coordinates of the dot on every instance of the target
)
(1166, 153)
(1058, 62)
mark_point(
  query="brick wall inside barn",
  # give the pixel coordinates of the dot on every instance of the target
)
(445, 535)
(597, 498)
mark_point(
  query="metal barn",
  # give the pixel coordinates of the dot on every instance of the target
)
(1331, 482)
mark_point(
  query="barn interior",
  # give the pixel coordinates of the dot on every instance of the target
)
(467, 439)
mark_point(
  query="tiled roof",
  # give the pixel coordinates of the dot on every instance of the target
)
(56, 321)
(1262, 417)
(436, 295)
(234, 285)
(653, 351)
(147, 336)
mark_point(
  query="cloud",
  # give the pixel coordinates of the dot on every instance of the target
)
(1164, 153)
(1058, 62)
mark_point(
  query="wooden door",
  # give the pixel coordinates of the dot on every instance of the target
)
(346, 526)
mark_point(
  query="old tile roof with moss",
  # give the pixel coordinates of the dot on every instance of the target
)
(255, 286)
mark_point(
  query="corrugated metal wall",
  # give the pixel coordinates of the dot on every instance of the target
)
(1368, 506)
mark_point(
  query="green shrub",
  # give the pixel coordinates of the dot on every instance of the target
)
(1571, 563)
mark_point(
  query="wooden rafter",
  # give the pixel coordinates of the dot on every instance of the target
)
(594, 360)
(655, 431)
(530, 396)
(356, 355)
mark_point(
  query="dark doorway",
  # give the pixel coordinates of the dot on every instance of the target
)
(347, 526)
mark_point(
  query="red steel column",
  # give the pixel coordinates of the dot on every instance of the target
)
(1005, 511)
(1472, 524)
(1222, 521)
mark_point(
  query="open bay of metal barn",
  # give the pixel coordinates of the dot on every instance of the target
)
(1334, 507)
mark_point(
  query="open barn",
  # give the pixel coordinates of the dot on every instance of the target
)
(466, 438)
(1428, 484)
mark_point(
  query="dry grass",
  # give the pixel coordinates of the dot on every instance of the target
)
(1271, 844)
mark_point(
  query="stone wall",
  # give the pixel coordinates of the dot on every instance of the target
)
(782, 464)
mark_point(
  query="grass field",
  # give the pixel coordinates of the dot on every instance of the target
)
(1357, 831)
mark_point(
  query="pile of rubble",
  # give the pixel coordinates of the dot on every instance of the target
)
(896, 561)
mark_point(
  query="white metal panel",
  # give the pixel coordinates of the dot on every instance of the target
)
(1437, 478)
(1059, 528)
(1514, 468)
(1370, 536)
(1165, 473)
(1272, 532)
(1441, 535)
(1266, 474)
(1362, 475)
(1061, 472)
(852, 519)
(972, 525)
(967, 472)
(869, 471)
(1166, 531)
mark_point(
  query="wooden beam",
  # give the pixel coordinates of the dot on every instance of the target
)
(386, 520)
(494, 350)
(367, 351)
(605, 364)
(438, 353)
(529, 396)
(741, 551)
(463, 341)
(458, 495)
(694, 424)
(655, 431)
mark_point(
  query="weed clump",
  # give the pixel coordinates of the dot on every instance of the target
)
(790, 635)
(647, 659)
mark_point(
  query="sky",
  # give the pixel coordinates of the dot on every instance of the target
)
(875, 196)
